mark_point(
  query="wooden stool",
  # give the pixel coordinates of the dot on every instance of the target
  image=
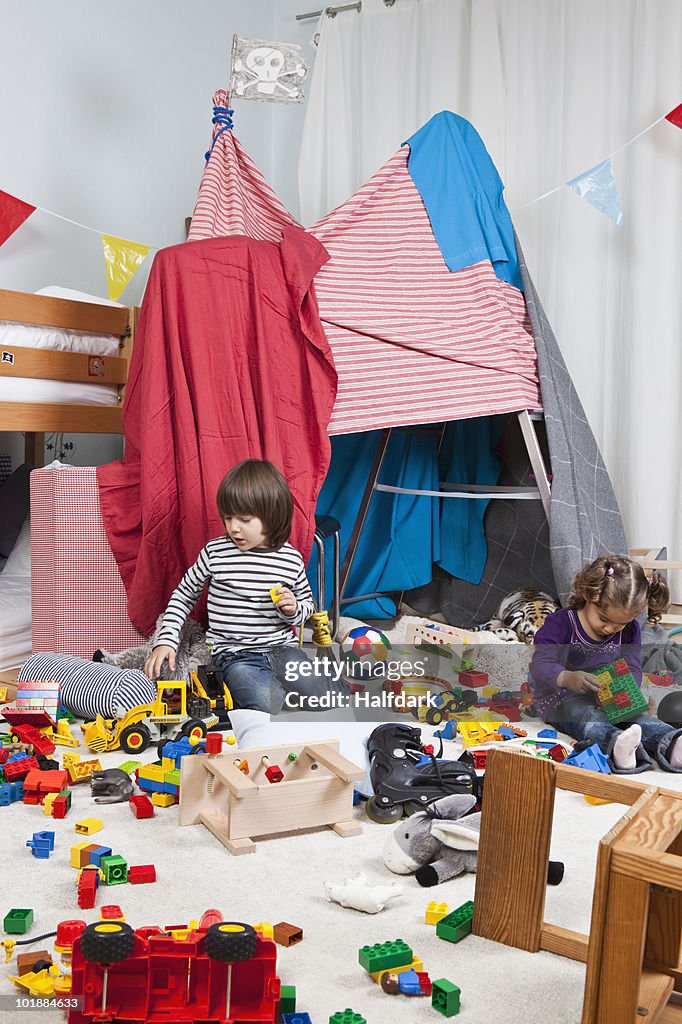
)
(633, 949)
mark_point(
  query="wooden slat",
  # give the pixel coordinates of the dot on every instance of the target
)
(47, 311)
(239, 785)
(48, 364)
(654, 991)
(513, 853)
(50, 416)
(564, 942)
(34, 449)
(658, 868)
(658, 826)
(608, 787)
(627, 906)
(671, 1014)
(334, 762)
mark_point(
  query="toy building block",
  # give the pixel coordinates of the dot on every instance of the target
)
(141, 806)
(480, 757)
(80, 771)
(457, 924)
(448, 731)
(164, 799)
(415, 965)
(115, 869)
(287, 998)
(435, 912)
(87, 826)
(87, 888)
(265, 928)
(547, 734)
(384, 955)
(17, 769)
(425, 983)
(141, 874)
(111, 912)
(41, 845)
(295, 1018)
(558, 753)
(286, 934)
(27, 962)
(620, 696)
(473, 679)
(347, 1016)
(445, 997)
(18, 921)
(95, 854)
(11, 792)
(591, 758)
(129, 766)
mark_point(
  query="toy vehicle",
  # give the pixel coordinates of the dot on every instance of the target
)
(208, 682)
(41, 743)
(171, 715)
(213, 970)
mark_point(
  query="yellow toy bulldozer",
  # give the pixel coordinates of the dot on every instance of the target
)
(171, 715)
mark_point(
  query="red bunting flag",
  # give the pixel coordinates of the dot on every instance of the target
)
(675, 116)
(13, 213)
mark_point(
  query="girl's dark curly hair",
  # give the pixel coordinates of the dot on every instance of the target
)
(621, 582)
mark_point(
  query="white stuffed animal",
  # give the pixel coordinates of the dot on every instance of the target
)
(359, 895)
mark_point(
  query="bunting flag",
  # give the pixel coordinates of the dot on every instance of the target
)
(13, 213)
(123, 260)
(598, 187)
(675, 116)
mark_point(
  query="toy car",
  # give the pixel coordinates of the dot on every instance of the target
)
(213, 970)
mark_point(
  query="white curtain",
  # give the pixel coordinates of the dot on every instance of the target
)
(553, 88)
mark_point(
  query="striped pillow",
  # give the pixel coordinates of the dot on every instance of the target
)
(90, 688)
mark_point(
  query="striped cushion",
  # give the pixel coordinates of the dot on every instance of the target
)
(90, 688)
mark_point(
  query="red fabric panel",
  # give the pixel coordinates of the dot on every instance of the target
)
(230, 362)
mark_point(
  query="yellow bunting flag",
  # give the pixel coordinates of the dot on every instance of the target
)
(122, 259)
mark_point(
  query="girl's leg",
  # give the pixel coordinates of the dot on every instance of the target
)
(578, 716)
(250, 681)
(660, 740)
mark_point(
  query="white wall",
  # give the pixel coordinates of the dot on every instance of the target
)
(104, 118)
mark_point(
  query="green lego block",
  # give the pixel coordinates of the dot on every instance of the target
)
(347, 1016)
(616, 678)
(287, 999)
(383, 955)
(18, 922)
(172, 777)
(115, 869)
(129, 766)
(457, 924)
(445, 997)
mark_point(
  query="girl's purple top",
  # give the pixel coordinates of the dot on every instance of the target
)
(562, 644)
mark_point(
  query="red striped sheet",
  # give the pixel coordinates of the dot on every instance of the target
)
(412, 341)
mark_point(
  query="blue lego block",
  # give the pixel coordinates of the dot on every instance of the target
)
(96, 855)
(448, 732)
(20, 755)
(150, 785)
(548, 734)
(41, 845)
(592, 759)
(10, 792)
(169, 787)
(296, 1018)
(356, 798)
(408, 982)
(508, 733)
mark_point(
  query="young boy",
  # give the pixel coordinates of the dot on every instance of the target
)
(250, 631)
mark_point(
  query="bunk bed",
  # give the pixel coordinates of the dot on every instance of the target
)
(63, 366)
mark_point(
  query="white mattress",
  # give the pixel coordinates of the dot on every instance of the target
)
(27, 389)
(15, 604)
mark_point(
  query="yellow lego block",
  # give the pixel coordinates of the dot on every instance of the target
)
(474, 733)
(265, 928)
(417, 965)
(48, 801)
(77, 854)
(87, 826)
(3, 694)
(164, 799)
(90, 867)
(489, 691)
(274, 593)
(435, 912)
(153, 772)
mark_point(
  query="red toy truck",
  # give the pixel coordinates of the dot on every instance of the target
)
(216, 971)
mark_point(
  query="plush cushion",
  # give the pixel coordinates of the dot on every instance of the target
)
(14, 506)
(258, 729)
(19, 562)
(90, 688)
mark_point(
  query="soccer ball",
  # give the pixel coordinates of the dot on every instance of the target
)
(364, 651)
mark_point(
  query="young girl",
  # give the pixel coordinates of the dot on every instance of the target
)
(250, 631)
(600, 626)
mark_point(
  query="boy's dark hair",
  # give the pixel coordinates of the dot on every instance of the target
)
(623, 583)
(257, 488)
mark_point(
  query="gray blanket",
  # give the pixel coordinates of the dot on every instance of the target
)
(585, 520)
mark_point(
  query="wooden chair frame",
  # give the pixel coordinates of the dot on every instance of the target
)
(633, 949)
(655, 558)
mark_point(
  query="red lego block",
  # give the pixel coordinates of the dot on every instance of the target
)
(141, 806)
(60, 806)
(621, 700)
(480, 758)
(424, 983)
(87, 888)
(274, 773)
(621, 667)
(110, 912)
(474, 679)
(16, 770)
(558, 753)
(140, 874)
(37, 784)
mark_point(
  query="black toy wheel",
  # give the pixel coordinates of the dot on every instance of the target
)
(434, 716)
(135, 738)
(107, 942)
(231, 940)
(383, 812)
(160, 745)
(195, 729)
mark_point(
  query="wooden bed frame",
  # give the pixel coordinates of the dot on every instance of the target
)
(36, 419)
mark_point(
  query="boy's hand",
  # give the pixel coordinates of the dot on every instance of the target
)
(152, 666)
(286, 602)
(579, 682)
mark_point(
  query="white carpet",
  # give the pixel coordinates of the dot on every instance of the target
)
(283, 881)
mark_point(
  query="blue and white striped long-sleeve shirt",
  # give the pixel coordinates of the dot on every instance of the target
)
(241, 613)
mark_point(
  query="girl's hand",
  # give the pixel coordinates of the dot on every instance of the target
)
(579, 682)
(152, 666)
(286, 602)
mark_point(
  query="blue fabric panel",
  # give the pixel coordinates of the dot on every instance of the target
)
(462, 193)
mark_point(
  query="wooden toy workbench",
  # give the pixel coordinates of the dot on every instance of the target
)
(316, 790)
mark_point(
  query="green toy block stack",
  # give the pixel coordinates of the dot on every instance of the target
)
(620, 696)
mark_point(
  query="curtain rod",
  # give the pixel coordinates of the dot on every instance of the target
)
(331, 12)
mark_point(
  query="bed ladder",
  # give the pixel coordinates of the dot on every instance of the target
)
(540, 492)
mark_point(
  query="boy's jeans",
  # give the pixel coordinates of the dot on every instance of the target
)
(578, 715)
(258, 679)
